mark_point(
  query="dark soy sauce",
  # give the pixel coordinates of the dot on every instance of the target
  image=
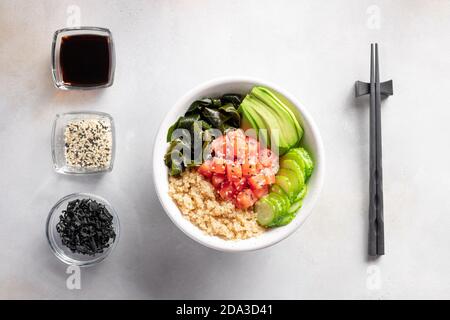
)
(85, 60)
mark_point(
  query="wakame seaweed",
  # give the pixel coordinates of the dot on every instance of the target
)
(218, 113)
(86, 227)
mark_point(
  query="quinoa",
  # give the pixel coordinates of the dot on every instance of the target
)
(197, 201)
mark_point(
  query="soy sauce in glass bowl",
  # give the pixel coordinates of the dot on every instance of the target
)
(82, 256)
(83, 58)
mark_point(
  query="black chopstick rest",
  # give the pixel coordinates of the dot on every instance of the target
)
(375, 89)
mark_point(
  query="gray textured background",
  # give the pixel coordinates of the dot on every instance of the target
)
(315, 50)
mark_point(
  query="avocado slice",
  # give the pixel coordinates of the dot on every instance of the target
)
(273, 99)
(247, 121)
(287, 127)
(269, 121)
(247, 107)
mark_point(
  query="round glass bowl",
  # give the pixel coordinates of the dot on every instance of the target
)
(60, 250)
(59, 145)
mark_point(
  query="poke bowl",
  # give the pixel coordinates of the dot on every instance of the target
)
(232, 203)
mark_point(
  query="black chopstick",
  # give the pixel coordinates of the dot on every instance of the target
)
(373, 160)
(375, 89)
(379, 203)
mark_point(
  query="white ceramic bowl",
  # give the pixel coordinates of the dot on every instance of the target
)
(311, 140)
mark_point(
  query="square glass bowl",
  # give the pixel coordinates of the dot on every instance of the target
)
(58, 143)
(83, 58)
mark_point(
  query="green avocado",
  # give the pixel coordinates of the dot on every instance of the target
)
(264, 109)
(269, 120)
(279, 103)
(247, 121)
(248, 109)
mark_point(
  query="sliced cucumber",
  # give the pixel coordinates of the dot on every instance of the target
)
(286, 185)
(293, 178)
(265, 212)
(288, 216)
(277, 189)
(296, 168)
(281, 205)
(283, 200)
(302, 193)
(283, 220)
(292, 155)
(307, 161)
(295, 207)
(268, 213)
(271, 208)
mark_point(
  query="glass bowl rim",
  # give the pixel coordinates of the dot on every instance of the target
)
(95, 260)
(81, 28)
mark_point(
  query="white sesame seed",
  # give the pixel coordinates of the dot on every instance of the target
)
(88, 143)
